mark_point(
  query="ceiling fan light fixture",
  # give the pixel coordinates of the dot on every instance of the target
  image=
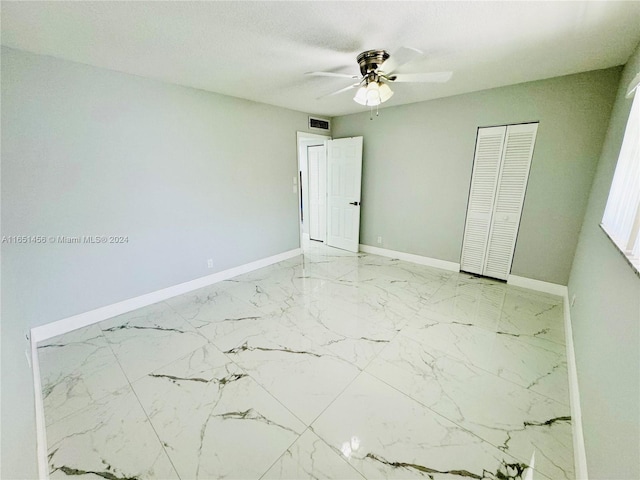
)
(373, 94)
(378, 70)
(385, 92)
(361, 96)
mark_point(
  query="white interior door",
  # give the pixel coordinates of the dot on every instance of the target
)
(484, 179)
(344, 175)
(317, 192)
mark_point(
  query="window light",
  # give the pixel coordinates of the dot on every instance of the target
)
(621, 220)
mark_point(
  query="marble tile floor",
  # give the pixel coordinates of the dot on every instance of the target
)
(327, 365)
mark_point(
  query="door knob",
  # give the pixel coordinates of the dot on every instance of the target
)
(354, 203)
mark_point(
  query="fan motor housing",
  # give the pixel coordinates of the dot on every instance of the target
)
(370, 60)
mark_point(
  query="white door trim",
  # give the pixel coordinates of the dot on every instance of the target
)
(303, 139)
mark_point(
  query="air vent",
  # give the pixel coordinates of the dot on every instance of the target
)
(322, 124)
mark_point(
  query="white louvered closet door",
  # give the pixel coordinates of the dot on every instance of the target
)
(484, 179)
(507, 201)
(512, 185)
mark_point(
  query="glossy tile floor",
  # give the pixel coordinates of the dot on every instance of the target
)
(328, 365)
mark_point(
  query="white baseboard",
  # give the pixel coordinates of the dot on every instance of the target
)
(539, 285)
(579, 452)
(50, 330)
(410, 257)
(41, 427)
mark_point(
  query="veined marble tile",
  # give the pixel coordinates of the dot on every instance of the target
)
(296, 336)
(273, 270)
(309, 457)
(499, 307)
(407, 291)
(303, 279)
(372, 266)
(510, 417)
(385, 434)
(148, 338)
(530, 315)
(327, 267)
(367, 301)
(111, 438)
(213, 419)
(350, 337)
(265, 295)
(214, 316)
(536, 364)
(205, 305)
(471, 300)
(347, 336)
(303, 376)
(76, 369)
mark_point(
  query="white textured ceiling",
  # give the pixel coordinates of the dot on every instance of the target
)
(260, 50)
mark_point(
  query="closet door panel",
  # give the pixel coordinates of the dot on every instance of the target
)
(512, 184)
(484, 179)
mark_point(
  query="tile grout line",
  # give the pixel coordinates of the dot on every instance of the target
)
(135, 394)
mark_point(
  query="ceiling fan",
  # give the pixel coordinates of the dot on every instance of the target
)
(377, 71)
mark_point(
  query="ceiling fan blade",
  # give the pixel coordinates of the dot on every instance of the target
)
(331, 74)
(434, 77)
(398, 58)
(355, 85)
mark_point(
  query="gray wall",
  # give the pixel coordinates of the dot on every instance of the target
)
(606, 322)
(418, 160)
(186, 175)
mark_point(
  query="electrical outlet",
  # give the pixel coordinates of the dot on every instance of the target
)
(379, 240)
(573, 300)
(210, 263)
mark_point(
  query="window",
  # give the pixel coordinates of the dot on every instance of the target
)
(621, 220)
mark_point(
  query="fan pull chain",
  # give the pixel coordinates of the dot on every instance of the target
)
(371, 112)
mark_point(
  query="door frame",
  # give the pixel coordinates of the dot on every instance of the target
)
(304, 139)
